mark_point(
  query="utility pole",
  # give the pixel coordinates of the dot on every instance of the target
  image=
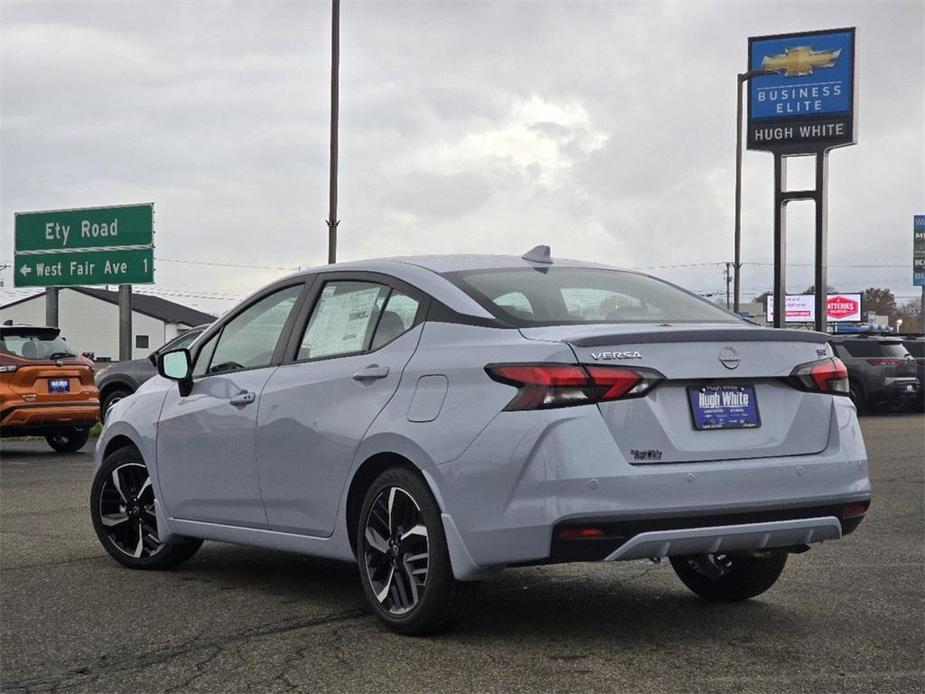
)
(728, 280)
(51, 306)
(125, 322)
(332, 174)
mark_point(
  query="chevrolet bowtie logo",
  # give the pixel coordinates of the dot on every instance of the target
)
(799, 61)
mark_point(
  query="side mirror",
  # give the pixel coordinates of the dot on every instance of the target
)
(177, 366)
(153, 359)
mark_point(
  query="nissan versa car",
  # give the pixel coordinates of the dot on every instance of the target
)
(45, 388)
(436, 419)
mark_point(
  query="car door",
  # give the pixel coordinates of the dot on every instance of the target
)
(346, 365)
(206, 440)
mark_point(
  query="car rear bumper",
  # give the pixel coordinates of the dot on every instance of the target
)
(26, 418)
(610, 540)
(731, 538)
(896, 390)
(567, 472)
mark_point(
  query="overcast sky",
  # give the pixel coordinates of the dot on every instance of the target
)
(603, 129)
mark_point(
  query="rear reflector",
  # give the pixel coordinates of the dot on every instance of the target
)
(855, 510)
(580, 533)
(542, 386)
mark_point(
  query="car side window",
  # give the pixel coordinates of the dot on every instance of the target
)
(205, 356)
(249, 339)
(863, 348)
(185, 340)
(343, 320)
(397, 318)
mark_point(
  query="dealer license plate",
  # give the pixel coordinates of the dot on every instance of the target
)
(724, 407)
(59, 385)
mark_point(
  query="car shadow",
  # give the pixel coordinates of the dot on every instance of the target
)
(19, 450)
(627, 605)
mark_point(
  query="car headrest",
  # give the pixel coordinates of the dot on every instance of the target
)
(390, 327)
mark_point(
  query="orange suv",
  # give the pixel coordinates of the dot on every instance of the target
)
(45, 389)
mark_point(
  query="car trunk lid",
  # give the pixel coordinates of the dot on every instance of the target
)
(661, 427)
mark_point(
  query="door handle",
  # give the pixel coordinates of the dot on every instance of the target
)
(243, 398)
(371, 372)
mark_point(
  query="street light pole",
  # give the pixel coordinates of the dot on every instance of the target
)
(332, 220)
(742, 78)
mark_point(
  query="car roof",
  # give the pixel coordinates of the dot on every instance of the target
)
(461, 262)
(20, 328)
(425, 272)
(865, 336)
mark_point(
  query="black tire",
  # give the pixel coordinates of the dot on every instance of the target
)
(68, 439)
(437, 603)
(725, 578)
(133, 498)
(110, 399)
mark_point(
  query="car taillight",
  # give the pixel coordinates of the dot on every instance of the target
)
(824, 376)
(7, 365)
(542, 386)
(884, 361)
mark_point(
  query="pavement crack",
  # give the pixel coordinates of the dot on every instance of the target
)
(189, 647)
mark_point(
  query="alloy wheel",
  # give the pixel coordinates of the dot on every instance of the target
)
(397, 550)
(61, 437)
(127, 511)
(711, 565)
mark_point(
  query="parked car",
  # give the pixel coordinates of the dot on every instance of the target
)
(881, 372)
(123, 378)
(437, 419)
(45, 388)
(915, 345)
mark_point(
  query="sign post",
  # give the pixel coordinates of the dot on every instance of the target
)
(802, 104)
(918, 258)
(96, 245)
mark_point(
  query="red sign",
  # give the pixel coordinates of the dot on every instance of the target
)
(839, 306)
(801, 308)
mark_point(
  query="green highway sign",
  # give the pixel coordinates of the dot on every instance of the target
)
(93, 227)
(92, 245)
(135, 266)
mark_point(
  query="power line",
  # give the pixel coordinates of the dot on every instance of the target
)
(217, 264)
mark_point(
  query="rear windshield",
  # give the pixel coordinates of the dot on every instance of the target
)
(560, 296)
(916, 348)
(34, 344)
(873, 348)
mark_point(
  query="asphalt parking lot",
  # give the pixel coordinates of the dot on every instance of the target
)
(846, 616)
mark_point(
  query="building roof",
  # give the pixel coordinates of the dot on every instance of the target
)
(153, 306)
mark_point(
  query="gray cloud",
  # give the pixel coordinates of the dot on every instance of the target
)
(605, 129)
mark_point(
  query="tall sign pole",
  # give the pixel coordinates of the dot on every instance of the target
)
(741, 79)
(332, 174)
(918, 259)
(803, 104)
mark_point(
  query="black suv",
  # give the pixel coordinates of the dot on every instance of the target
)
(123, 378)
(916, 346)
(881, 372)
